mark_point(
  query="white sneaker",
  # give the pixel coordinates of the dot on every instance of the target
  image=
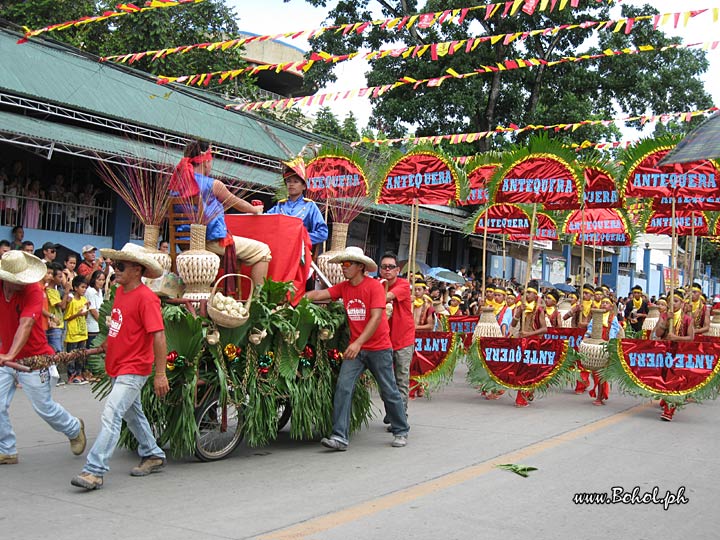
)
(399, 441)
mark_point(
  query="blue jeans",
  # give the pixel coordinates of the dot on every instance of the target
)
(78, 366)
(36, 385)
(123, 403)
(55, 338)
(380, 364)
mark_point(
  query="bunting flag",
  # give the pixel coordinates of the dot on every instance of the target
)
(687, 223)
(334, 176)
(423, 20)
(671, 370)
(530, 364)
(457, 138)
(691, 182)
(599, 227)
(122, 10)
(422, 176)
(434, 359)
(434, 82)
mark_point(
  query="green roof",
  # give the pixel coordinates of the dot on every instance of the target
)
(65, 76)
(96, 142)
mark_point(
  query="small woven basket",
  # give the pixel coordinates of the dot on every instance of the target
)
(223, 319)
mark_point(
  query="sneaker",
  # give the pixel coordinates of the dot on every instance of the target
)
(77, 444)
(148, 465)
(8, 459)
(60, 383)
(334, 444)
(87, 481)
(399, 441)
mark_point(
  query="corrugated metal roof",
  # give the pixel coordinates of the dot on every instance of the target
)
(104, 144)
(64, 76)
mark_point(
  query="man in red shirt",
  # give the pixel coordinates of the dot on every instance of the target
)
(22, 336)
(402, 325)
(135, 341)
(370, 347)
(90, 262)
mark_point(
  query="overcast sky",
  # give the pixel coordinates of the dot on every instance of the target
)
(276, 16)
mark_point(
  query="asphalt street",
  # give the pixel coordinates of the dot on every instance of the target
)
(443, 485)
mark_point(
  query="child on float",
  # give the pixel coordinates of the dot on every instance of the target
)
(611, 330)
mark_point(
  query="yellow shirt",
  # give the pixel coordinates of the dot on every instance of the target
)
(54, 300)
(77, 328)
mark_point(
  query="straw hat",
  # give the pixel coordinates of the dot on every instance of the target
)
(355, 254)
(133, 253)
(21, 268)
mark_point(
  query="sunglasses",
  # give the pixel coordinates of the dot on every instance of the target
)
(346, 264)
(51, 250)
(388, 266)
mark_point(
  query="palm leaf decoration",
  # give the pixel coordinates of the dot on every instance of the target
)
(521, 470)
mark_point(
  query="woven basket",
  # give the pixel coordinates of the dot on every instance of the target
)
(715, 323)
(487, 325)
(593, 348)
(223, 319)
(652, 318)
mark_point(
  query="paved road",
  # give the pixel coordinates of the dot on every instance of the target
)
(443, 485)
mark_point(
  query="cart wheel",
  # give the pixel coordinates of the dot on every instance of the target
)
(214, 441)
(283, 411)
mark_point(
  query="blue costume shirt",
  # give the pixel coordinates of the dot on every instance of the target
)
(308, 212)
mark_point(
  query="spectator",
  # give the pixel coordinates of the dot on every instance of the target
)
(76, 336)
(28, 247)
(70, 267)
(32, 193)
(49, 251)
(18, 234)
(56, 192)
(4, 246)
(94, 295)
(164, 246)
(90, 262)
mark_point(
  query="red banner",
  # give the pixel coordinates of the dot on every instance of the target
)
(478, 179)
(431, 350)
(545, 229)
(599, 227)
(689, 181)
(546, 179)
(521, 363)
(687, 223)
(503, 219)
(573, 336)
(600, 189)
(423, 176)
(335, 177)
(669, 367)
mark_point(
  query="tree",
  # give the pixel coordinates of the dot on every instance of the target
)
(349, 131)
(211, 20)
(327, 123)
(565, 93)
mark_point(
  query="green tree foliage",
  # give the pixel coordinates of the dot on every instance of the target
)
(327, 123)
(211, 20)
(565, 93)
(349, 130)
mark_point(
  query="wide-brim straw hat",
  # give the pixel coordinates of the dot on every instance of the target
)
(21, 268)
(355, 254)
(133, 253)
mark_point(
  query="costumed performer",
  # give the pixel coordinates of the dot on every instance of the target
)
(636, 309)
(191, 178)
(611, 330)
(533, 324)
(699, 310)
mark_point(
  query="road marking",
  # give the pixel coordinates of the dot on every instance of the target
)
(341, 517)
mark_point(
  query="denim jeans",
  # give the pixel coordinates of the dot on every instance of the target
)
(123, 403)
(36, 385)
(54, 337)
(78, 366)
(380, 365)
(401, 363)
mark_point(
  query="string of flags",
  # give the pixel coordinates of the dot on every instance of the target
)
(434, 50)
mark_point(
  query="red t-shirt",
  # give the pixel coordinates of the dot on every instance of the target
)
(402, 323)
(134, 319)
(359, 300)
(27, 302)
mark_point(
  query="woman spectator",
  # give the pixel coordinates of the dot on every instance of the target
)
(31, 218)
(94, 295)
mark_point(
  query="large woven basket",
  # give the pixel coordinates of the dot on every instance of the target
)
(594, 349)
(223, 319)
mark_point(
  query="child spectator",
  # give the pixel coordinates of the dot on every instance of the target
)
(94, 295)
(58, 295)
(77, 333)
(70, 264)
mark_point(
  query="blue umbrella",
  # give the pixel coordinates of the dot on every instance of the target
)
(564, 287)
(419, 267)
(443, 274)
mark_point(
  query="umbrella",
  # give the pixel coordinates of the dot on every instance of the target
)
(544, 284)
(564, 287)
(443, 274)
(702, 143)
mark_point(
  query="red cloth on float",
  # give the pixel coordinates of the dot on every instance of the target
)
(289, 244)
